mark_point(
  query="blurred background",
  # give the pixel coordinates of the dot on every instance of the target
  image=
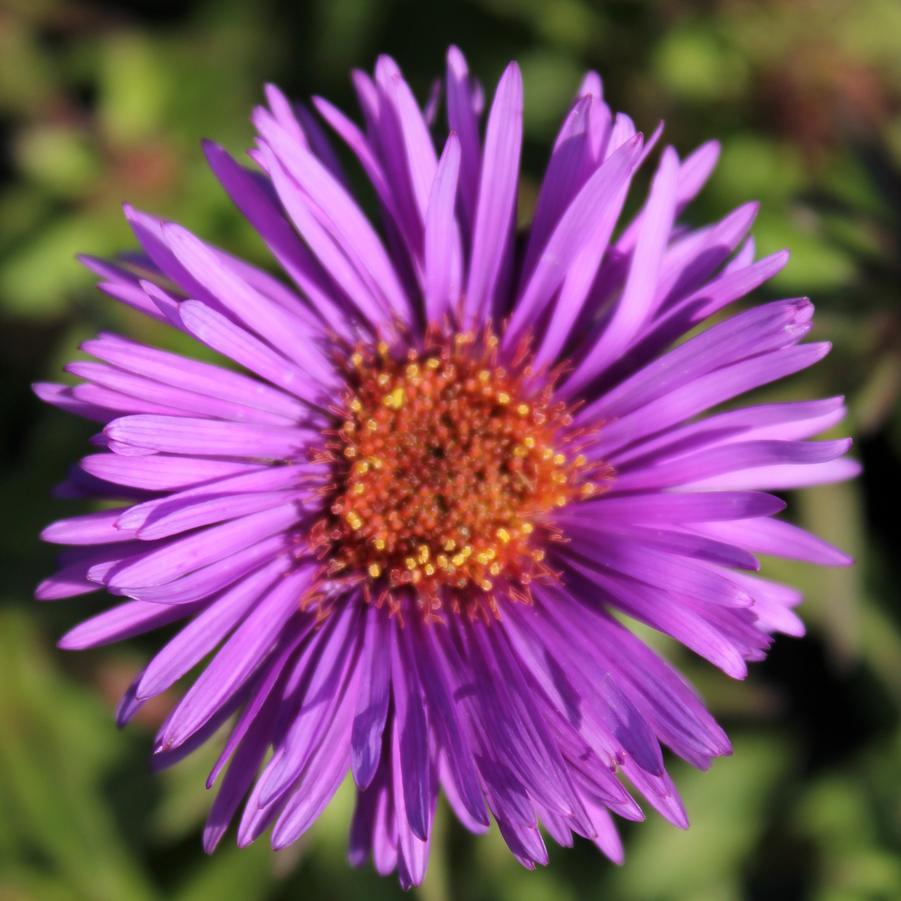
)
(102, 102)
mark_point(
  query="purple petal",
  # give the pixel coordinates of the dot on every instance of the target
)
(781, 539)
(588, 220)
(636, 303)
(241, 773)
(161, 473)
(412, 852)
(437, 685)
(708, 391)
(674, 618)
(239, 657)
(320, 780)
(216, 331)
(90, 528)
(288, 333)
(492, 232)
(783, 476)
(267, 686)
(184, 555)
(737, 456)
(69, 582)
(462, 119)
(788, 421)
(201, 378)
(756, 331)
(123, 621)
(183, 516)
(61, 396)
(201, 635)
(701, 304)
(412, 737)
(339, 214)
(327, 668)
(567, 169)
(207, 580)
(322, 240)
(668, 509)
(258, 204)
(207, 437)
(419, 152)
(443, 253)
(372, 701)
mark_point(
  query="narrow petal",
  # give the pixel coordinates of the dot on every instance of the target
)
(566, 172)
(492, 232)
(437, 685)
(339, 214)
(783, 476)
(285, 332)
(265, 479)
(201, 378)
(412, 852)
(708, 391)
(443, 253)
(327, 768)
(184, 555)
(372, 701)
(462, 119)
(258, 204)
(207, 437)
(216, 331)
(177, 399)
(419, 152)
(206, 581)
(239, 657)
(701, 304)
(781, 539)
(90, 528)
(200, 636)
(413, 744)
(240, 776)
(667, 509)
(324, 672)
(68, 582)
(589, 219)
(715, 461)
(790, 421)
(162, 473)
(757, 331)
(192, 514)
(636, 303)
(120, 622)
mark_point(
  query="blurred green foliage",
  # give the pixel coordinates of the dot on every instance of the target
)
(102, 102)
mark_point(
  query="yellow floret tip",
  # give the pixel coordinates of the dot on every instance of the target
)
(394, 400)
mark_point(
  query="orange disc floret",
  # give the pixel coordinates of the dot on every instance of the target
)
(446, 466)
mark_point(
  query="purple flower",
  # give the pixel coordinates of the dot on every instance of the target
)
(456, 458)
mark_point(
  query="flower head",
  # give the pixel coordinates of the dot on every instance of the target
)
(409, 526)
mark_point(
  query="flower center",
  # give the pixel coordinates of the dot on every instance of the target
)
(446, 466)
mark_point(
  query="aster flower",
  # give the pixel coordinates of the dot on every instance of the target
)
(408, 530)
